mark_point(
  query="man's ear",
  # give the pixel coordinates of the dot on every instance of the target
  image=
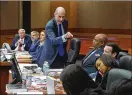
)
(102, 42)
(114, 54)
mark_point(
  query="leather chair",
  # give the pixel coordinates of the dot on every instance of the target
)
(17, 35)
(125, 62)
(73, 51)
(121, 54)
(115, 74)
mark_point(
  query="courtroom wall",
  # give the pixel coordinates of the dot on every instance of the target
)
(90, 14)
(40, 13)
(9, 17)
(105, 14)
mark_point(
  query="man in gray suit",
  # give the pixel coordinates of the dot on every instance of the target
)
(56, 39)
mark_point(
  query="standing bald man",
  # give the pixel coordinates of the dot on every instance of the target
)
(56, 39)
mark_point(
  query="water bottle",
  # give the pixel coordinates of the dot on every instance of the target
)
(28, 79)
(45, 68)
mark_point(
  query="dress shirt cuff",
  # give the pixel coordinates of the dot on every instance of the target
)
(16, 44)
(23, 45)
(64, 38)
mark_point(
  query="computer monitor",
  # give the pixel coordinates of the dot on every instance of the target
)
(2, 56)
(7, 46)
(15, 70)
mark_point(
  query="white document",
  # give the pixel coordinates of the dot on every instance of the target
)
(29, 93)
(50, 85)
(55, 70)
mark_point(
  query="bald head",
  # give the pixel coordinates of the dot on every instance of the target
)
(99, 40)
(59, 14)
(59, 10)
(102, 38)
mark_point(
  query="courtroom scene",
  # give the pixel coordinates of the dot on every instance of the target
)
(65, 47)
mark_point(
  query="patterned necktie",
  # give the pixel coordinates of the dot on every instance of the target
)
(61, 49)
(20, 45)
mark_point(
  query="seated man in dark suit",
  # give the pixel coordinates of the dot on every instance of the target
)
(78, 72)
(35, 41)
(88, 62)
(21, 41)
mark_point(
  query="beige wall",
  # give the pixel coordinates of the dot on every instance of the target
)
(104, 14)
(9, 15)
(40, 13)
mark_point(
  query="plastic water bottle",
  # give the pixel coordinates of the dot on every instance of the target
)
(45, 68)
(28, 79)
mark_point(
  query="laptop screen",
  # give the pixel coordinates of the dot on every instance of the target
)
(15, 70)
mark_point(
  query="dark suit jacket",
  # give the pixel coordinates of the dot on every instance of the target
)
(38, 55)
(52, 40)
(27, 42)
(88, 66)
(34, 46)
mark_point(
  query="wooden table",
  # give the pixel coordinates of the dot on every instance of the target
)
(4, 76)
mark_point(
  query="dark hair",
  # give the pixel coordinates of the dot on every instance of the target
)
(108, 60)
(115, 48)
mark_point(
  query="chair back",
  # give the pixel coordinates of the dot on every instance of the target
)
(121, 54)
(74, 50)
(125, 62)
(115, 74)
(17, 35)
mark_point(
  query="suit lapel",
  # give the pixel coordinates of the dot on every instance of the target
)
(56, 28)
(64, 26)
(88, 54)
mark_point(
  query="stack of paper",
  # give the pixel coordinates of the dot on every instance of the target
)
(24, 58)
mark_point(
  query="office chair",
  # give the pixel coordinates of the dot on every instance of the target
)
(115, 74)
(125, 62)
(122, 54)
(17, 35)
(74, 50)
